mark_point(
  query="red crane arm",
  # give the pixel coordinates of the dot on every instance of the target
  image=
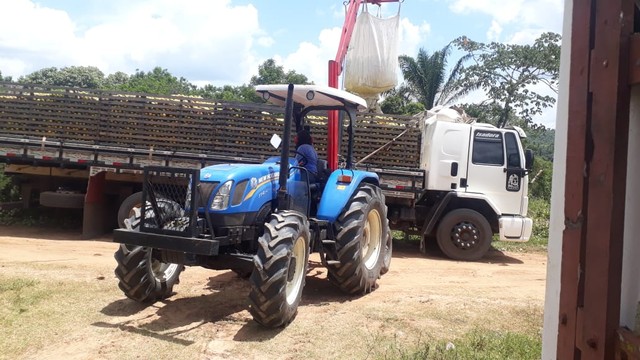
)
(335, 69)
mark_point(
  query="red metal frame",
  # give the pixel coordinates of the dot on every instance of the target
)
(335, 69)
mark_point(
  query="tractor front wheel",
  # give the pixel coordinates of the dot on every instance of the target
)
(280, 267)
(362, 242)
(144, 278)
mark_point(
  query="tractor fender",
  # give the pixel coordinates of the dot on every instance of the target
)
(336, 193)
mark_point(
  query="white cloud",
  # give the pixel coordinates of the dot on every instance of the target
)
(542, 15)
(198, 39)
(311, 59)
(493, 34)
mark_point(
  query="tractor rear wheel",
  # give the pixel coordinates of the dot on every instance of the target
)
(362, 235)
(388, 249)
(280, 267)
(142, 277)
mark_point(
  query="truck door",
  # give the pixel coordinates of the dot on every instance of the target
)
(495, 169)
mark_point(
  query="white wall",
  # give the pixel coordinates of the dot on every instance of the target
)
(630, 264)
(556, 226)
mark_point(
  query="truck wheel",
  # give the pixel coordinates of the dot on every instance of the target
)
(464, 234)
(280, 267)
(128, 208)
(388, 250)
(142, 277)
(362, 232)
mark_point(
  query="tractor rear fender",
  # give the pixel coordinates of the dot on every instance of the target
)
(342, 184)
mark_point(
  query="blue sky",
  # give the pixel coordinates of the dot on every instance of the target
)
(224, 41)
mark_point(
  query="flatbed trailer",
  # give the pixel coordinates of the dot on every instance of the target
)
(81, 148)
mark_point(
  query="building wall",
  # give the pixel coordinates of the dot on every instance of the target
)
(630, 264)
(556, 226)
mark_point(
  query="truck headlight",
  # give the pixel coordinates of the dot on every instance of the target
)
(221, 199)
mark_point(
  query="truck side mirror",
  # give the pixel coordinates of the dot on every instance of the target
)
(528, 159)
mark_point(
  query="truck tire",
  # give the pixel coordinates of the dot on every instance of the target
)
(362, 231)
(142, 277)
(388, 250)
(464, 234)
(280, 267)
(128, 206)
(66, 200)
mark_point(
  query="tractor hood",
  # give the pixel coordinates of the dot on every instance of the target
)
(239, 172)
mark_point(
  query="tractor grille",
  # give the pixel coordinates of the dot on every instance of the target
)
(168, 196)
(206, 188)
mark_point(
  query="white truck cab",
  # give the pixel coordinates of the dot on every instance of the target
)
(480, 161)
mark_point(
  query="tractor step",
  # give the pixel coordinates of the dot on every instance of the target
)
(328, 242)
(333, 262)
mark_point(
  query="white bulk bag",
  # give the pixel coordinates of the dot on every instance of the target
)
(372, 57)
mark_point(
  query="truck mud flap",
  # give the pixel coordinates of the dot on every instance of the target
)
(167, 242)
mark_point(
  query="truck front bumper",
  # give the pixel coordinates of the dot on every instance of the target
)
(188, 245)
(515, 228)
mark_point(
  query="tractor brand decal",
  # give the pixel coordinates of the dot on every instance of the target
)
(253, 183)
(261, 181)
(207, 175)
(513, 181)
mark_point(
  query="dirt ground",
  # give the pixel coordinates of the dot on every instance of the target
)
(423, 297)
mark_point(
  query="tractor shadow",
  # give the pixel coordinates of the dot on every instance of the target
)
(224, 303)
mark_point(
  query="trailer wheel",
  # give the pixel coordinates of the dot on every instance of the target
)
(386, 262)
(128, 208)
(280, 267)
(464, 234)
(142, 277)
(362, 234)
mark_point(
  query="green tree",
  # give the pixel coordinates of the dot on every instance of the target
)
(242, 93)
(399, 101)
(157, 81)
(507, 73)
(427, 80)
(115, 81)
(74, 76)
(270, 73)
(5, 78)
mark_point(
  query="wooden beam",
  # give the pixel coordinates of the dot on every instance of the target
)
(595, 179)
(634, 59)
(575, 186)
(607, 174)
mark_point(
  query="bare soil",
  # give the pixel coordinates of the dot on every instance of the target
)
(422, 298)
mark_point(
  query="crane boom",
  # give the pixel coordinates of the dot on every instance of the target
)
(335, 69)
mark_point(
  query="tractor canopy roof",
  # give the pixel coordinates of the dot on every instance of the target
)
(311, 96)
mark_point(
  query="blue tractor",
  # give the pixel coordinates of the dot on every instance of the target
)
(260, 220)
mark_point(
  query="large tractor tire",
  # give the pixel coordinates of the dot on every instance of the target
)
(144, 278)
(280, 267)
(362, 236)
(388, 252)
(464, 234)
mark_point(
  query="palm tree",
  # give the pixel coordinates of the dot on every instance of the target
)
(426, 79)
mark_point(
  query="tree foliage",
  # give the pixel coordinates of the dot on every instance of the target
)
(157, 81)
(509, 73)
(73, 76)
(427, 80)
(5, 78)
(270, 73)
(399, 101)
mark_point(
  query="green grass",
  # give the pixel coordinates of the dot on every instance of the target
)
(477, 344)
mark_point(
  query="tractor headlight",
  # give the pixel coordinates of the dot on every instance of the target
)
(221, 199)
